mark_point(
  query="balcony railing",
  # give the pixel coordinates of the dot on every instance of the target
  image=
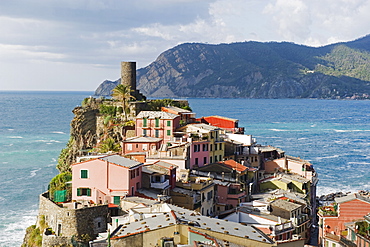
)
(159, 185)
(283, 228)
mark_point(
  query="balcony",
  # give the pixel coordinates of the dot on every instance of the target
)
(235, 193)
(286, 227)
(160, 185)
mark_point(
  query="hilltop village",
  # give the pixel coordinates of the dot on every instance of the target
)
(166, 177)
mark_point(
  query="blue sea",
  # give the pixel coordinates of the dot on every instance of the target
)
(334, 135)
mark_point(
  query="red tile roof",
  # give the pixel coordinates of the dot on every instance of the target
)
(235, 165)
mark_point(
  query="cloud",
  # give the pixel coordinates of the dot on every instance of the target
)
(95, 35)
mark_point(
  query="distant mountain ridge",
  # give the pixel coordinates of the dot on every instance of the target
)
(257, 70)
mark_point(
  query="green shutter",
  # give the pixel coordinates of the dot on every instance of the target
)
(88, 192)
(157, 122)
(84, 174)
(116, 200)
(168, 132)
(145, 122)
(168, 123)
(78, 192)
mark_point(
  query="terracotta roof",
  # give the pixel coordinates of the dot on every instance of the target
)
(234, 165)
(221, 117)
(177, 109)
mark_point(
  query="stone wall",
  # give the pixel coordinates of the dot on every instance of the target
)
(69, 222)
(52, 240)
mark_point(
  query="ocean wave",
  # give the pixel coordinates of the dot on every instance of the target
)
(34, 172)
(348, 131)
(13, 225)
(327, 157)
(15, 137)
(48, 141)
(10, 129)
(358, 163)
(58, 132)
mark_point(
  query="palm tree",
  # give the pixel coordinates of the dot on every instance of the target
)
(123, 93)
(109, 145)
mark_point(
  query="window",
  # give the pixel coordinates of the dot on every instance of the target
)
(210, 159)
(84, 174)
(168, 132)
(83, 192)
(210, 146)
(220, 157)
(137, 172)
(157, 133)
(168, 123)
(216, 159)
(205, 160)
(157, 122)
(210, 195)
(129, 147)
(145, 122)
(132, 173)
(220, 146)
(144, 132)
(196, 161)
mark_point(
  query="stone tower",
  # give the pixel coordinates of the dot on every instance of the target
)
(128, 74)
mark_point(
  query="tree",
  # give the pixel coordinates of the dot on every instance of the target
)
(109, 145)
(123, 93)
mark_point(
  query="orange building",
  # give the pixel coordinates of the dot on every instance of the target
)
(228, 124)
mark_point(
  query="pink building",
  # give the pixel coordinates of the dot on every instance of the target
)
(199, 153)
(106, 179)
(157, 124)
(141, 144)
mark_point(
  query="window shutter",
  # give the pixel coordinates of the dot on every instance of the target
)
(144, 122)
(88, 192)
(78, 192)
(84, 174)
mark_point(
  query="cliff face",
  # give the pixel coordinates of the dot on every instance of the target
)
(257, 70)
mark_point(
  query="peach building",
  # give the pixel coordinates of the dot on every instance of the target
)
(106, 179)
(332, 219)
(141, 144)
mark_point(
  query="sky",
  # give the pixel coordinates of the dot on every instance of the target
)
(74, 45)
